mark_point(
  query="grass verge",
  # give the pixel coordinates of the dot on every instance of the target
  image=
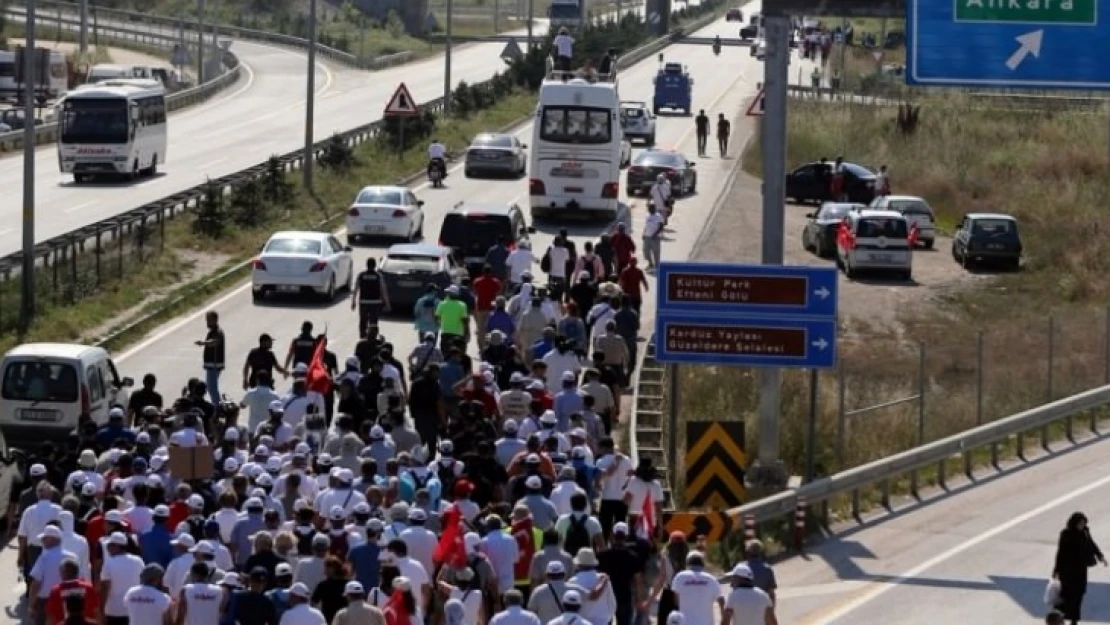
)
(139, 279)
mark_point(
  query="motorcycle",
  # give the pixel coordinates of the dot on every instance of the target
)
(717, 48)
(437, 171)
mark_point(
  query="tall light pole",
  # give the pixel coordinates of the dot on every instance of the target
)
(447, 61)
(30, 81)
(531, 16)
(200, 41)
(310, 105)
(83, 39)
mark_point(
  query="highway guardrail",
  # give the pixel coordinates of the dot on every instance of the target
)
(105, 239)
(48, 133)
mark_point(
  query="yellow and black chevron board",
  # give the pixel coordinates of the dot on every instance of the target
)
(714, 464)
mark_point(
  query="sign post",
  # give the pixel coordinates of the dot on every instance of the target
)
(400, 106)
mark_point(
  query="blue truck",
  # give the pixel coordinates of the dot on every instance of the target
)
(674, 89)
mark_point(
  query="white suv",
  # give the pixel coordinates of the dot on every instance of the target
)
(916, 211)
(638, 122)
(874, 240)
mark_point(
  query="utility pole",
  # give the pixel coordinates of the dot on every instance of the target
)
(447, 61)
(83, 38)
(769, 472)
(30, 81)
(200, 41)
(531, 16)
(310, 105)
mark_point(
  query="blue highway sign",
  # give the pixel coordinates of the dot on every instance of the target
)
(1047, 44)
(766, 290)
(744, 341)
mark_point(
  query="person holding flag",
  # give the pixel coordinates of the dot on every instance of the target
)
(401, 609)
(644, 497)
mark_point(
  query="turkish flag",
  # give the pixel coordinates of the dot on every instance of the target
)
(451, 548)
(646, 521)
(912, 238)
(395, 612)
(318, 378)
(844, 235)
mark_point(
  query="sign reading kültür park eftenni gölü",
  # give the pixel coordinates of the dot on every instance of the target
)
(1048, 44)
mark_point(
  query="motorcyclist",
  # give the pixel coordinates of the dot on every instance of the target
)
(437, 152)
(717, 44)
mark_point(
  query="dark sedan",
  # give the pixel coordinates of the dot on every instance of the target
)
(650, 163)
(819, 235)
(495, 154)
(987, 239)
(812, 183)
(409, 268)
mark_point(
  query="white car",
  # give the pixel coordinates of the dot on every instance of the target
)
(299, 262)
(626, 152)
(392, 212)
(638, 122)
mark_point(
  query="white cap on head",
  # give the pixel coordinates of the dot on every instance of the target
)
(231, 465)
(510, 426)
(118, 538)
(300, 590)
(676, 618)
(232, 434)
(556, 567)
(571, 597)
(38, 470)
(204, 548)
(353, 588)
(377, 433)
(88, 489)
(51, 531)
(277, 407)
(742, 571)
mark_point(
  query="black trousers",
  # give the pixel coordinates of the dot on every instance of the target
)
(722, 142)
(703, 139)
(612, 511)
(426, 428)
(624, 612)
(1072, 590)
(116, 620)
(368, 314)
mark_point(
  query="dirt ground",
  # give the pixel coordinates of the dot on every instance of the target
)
(734, 231)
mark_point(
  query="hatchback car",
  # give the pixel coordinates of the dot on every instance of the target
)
(408, 268)
(819, 235)
(872, 240)
(471, 229)
(638, 122)
(917, 212)
(812, 183)
(496, 154)
(987, 238)
(647, 166)
(302, 262)
(385, 212)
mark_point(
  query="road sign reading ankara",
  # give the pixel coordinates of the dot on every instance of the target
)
(1055, 44)
(746, 315)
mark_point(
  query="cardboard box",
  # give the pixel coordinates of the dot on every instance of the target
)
(192, 463)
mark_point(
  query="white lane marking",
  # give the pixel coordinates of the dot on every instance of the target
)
(211, 163)
(6, 231)
(75, 208)
(975, 541)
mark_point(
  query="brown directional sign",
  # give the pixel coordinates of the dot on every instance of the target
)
(734, 339)
(691, 288)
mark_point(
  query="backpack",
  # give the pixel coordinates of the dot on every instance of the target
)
(578, 537)
(590, 267)
(545, 262)
(446, 475)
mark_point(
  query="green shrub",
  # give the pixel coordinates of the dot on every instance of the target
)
(337, 156)
(211, 218)
(247, 206)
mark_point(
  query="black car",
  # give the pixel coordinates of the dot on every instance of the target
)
(647, 166)
(811, 183)
(987, 239)
(471, 229)
(734, 15)
(408, 268)
(819, 235)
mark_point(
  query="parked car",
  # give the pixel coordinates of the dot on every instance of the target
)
(626, 152)
(495, 153)
(987, 239)
(734, 15)
(650, 163)
(638, 122)
(917, 212)
(471, 229)
(810, 183)
(408, 268)
(873, 240)
(302, 262)
(385, 212)
(819, 235)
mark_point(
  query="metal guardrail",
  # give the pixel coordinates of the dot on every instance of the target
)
(48, 133)
(173, 26)
(105, 238)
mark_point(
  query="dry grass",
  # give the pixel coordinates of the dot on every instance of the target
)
(965, 357)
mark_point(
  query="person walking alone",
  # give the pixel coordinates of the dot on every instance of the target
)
(701, 122)
(1075, 553)
(724, 129)
(653, 236)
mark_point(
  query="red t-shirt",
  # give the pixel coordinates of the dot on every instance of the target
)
(547, 400)
(55, 603)
(179, 511)
(488, 401)
(486, 289)
(623, 246)
(631, 281)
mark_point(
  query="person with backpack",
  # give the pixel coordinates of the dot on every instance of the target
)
(447, 469)
(579, 529)
(554, 264)
(590, 264)
(550, 552)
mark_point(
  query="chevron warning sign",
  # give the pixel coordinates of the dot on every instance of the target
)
(714, 464)
(713, 526)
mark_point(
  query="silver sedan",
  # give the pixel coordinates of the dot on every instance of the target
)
(496, 154)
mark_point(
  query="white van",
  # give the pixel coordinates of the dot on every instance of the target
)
(47, 386)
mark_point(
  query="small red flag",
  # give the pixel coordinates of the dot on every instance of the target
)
(913, 236)
(318, 378)
(451, 548)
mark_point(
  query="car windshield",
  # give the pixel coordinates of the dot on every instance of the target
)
(834, 211)
(410, 263)
(307, 247)
(493, 141)
(473, 231)
(993, 227)
(659, 160)
(911, 207)
(576, 124)
(882, 227)
(379, 196)
(40, 381)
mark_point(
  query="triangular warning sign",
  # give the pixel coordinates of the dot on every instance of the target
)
(401, 104)
(755, 109)
(512, 51)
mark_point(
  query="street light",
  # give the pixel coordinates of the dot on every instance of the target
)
(30, 81)
(310, 106)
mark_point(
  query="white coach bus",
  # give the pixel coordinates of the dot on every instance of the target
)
(115, 128)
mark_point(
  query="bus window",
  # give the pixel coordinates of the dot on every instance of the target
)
(576, 124)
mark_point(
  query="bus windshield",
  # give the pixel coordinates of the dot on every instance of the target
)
(576, 124)
(100, 120)
(564, 11)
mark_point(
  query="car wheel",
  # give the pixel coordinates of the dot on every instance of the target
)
(468, 173)
(411, 238)
(257, 295)
(818, 249)
(651, 139)
(848, 271)
(907, 276)
(929, 243)
(420, 229)
(352, 239)
(329, 294)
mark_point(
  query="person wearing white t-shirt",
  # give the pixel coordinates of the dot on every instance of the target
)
(412, 570)
(120, 572)
(257, 402)
(746, 604)
(564, 49)
(421, 541)
(696, 592)
(147, 604)
(200, 603)
(564, 489)
(653, 236)
(558, 255)
(300, 612)
(642, 488)
(519, 262)
(616, 469)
